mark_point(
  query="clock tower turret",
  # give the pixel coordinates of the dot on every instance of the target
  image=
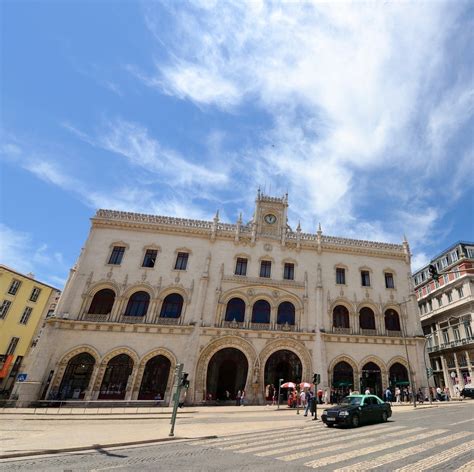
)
(270, 215)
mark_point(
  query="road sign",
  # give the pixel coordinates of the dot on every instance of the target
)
(21, 377)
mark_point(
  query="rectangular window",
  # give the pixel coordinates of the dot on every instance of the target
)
(289, 271)
(150, 258)
(35, 293)
(4, 307)
(26, 315)
(440, 301)
(430, 306)
(241, 266)
(450, 296)
(468, 329)
(454, 255)
(460, 292)
(265, 269)
(12, 346)
(181, 261)
(14, 286)
(340, 276)
(389, 283)
(457, 335)
(445, 336)
(446, 278)
(444, 262)
(470, 252)
(365, 278)
(117, 255)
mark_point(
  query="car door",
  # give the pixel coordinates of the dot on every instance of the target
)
(369, 409)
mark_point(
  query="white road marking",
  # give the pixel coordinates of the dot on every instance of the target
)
(375, 448)
(439, 458)
(461, 422)
(341, 436)
(362, 442)
(403, 453)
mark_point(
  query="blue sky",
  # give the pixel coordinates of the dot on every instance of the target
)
(363, 113)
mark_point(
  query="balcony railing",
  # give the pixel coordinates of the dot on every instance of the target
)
(167, 321)
(262, 326)
(233, 324)
(285, 327)
(96, 317)
(131, 319)
(394, 333)
(452, 344)
(368, 332)
(341, 330)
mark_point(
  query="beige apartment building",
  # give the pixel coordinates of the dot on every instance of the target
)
(241, 305)
(446, 309)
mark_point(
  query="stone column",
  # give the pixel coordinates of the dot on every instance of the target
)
(460, 381)
(447, 378)
(151, 311)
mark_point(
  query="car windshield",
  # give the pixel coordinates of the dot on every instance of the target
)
(351, 401)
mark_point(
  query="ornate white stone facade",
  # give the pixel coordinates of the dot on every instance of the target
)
(207, 285)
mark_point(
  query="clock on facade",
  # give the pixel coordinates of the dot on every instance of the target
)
(270, 219)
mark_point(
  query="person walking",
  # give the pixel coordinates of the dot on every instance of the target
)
(303, 399)
(397, 395)
(242, 398)
(388, 395)
(308, 399)
(237, 398)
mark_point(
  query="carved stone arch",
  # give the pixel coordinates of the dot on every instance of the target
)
(369, 304)
(344, 302)
(68, 356)
(234, 293)
(140, 287)
(214, 346)
(103, 284)
(288, 344)
(375, 360)
(397, 359)
(344, 358)
(262, 296)
(110, 355)
(141, 368)
(174, 288)
(391, 306)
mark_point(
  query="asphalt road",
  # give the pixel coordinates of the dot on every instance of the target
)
(431, 439)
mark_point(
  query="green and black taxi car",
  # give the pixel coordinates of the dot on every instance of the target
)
(357, 409)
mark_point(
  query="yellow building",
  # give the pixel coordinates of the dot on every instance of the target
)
(24, 304)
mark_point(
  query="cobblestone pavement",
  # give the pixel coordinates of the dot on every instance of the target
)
(434, 440)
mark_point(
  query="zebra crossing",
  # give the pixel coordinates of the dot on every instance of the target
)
(385, 446)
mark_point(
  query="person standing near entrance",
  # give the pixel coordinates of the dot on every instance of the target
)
(308, 400)
(242, 398)
(367, 391)
(237, 398)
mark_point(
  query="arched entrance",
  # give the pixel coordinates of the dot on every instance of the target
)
(226, 372)
(398, 375)
(284, 365)
(371, 378)
(155, 378)
(77, 376)
(115, 379)
(342, 379)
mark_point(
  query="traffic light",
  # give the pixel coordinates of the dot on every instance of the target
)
(184, 380)
(316, 379)
(433, 272)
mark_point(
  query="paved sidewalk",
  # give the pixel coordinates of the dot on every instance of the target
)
(26, 434)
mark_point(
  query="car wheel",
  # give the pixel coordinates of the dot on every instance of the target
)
(329, 425)
(355, 421)
(384, 417)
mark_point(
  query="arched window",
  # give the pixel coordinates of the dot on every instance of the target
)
(366, 318)
(172, 306)
(286, 313)
(137, 304)
(261, 312)
(235, 310)
(102, 302)
(76, 377)
(340, 317)
(392, 320)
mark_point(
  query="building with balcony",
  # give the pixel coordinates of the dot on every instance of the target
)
(446, 309)
(241, 305)
(24, 305)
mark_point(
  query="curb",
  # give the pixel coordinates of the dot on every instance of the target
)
(99, 446)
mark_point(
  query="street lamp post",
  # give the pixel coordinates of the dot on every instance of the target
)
(426, 370)
(413, 386)
(280, 381)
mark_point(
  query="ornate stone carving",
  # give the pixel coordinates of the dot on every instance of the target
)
(268, 247)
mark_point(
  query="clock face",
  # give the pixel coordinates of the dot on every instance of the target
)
(270, 219)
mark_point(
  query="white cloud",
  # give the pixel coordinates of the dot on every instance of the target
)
(19, 251)
(349, 88)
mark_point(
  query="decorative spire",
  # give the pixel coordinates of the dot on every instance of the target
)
(319, 228)
(298, 228)
(216, 218)
(239, 221)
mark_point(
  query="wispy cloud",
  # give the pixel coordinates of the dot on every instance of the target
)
(353, 92)
(21, 252)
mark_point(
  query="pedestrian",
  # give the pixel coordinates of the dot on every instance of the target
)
(438, 394)
(446, 394)
(308, 399)
(242, 398)
(388, 395)
(398, 395)
(303, 399)
(420, 396)
(367, 391)
(237, 398)
(274, 398)
(227, 395)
